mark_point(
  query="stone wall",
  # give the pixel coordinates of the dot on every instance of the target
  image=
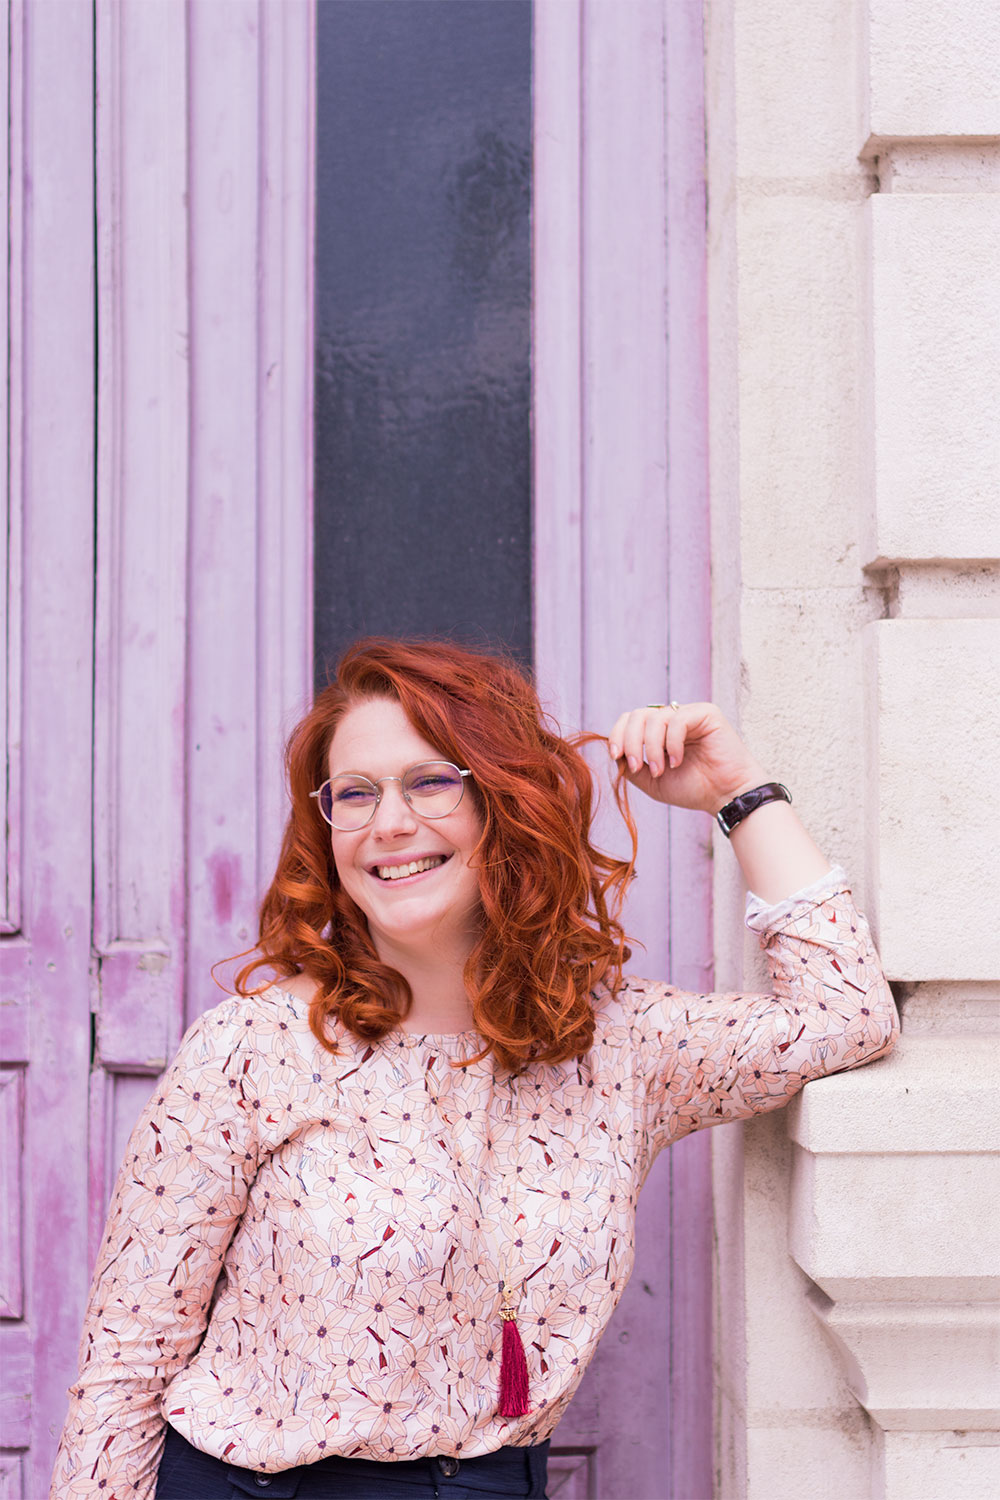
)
(854, 328)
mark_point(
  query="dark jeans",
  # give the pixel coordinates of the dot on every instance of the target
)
(188, 1474)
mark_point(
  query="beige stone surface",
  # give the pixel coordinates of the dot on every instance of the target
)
(933, 67)
(939, 1466)
(943, 590)
(931, 1094)
(800, 400)
(936, 333)
(894, 1189)
(802, 711)
(816, 472)
(922, 1366)
(933, 737)
(903, 1225)
(783, 74)
(950, 1008)
(947, 165)
(814, 1459)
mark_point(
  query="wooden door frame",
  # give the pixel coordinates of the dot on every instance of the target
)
(622, 575)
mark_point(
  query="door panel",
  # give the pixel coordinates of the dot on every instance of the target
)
(621, 610)
(45, 946)
(165, 632)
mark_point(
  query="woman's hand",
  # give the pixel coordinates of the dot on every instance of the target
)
(690, 756)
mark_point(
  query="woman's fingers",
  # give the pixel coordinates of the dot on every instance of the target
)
(647, 734)
(676, 735)
(633, 743)
(616, 737)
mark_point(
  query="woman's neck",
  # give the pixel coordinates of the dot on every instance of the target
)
(441, 1001)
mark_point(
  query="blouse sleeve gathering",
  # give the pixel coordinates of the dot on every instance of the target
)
(181, 1190)
(706, 1059)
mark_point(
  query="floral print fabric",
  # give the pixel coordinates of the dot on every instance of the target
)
(304, 1252)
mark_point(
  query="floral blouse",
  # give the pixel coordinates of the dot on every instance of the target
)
(304, 1252)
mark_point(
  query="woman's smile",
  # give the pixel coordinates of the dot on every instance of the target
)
(408, 867)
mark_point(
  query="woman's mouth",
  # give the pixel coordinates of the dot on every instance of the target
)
(407, 871)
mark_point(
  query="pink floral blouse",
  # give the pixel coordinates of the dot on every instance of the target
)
(303, 1253)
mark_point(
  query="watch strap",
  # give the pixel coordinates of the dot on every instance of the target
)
(741, 807)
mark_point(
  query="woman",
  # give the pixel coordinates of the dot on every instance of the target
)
(378, 1213)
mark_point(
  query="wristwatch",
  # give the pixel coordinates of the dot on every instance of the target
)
(741, 807)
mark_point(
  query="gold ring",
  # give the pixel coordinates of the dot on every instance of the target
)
(656, 705)
(674, 706)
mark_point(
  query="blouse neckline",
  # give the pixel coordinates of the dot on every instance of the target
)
(403, 1038)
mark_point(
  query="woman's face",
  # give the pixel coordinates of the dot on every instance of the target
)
(437, 909)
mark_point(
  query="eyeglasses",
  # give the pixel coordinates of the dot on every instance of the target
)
(434, 788)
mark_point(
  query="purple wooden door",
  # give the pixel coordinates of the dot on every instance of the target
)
(143, 719)
(622, 616)
(144, 715)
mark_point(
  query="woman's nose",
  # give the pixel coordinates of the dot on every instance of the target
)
(393, 813)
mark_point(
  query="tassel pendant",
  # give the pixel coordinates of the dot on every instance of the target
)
(513, 1364)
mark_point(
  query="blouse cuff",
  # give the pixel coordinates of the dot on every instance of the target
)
(762, 918)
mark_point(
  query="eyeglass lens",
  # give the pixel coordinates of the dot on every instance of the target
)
(434, 788)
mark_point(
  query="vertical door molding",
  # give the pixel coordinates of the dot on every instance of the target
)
(689, 584)
(557, 358)
(11, 578)
(223, 184)
(140, 648)
(622, 599)
(45, 941)
(285, 400)
(250, 549)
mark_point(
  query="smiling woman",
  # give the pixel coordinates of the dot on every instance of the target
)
(411, 868)
(519, 902)
(378, 1214)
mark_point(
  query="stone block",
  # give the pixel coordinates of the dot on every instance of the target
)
(817, 1458)
(932, 67)
(933, 727)
(800, 306)
(803, 714)
(919, 1367)
(894, 1187)
(936, 388)
(799, 92)
(932, 1093)
(940, 1466)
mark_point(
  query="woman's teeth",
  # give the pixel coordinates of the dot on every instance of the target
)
(399, 872)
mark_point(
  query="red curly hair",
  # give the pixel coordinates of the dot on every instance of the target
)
(550, 899)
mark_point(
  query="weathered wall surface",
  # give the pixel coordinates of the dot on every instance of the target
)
(854, 163)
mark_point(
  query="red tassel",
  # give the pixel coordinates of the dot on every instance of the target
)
(513, 1369)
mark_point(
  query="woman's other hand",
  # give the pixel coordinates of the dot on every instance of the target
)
(690, 756)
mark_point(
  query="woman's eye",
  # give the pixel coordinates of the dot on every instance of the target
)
(354, 794)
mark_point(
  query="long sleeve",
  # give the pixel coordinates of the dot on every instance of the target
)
(180, 1193)
(706, 1059)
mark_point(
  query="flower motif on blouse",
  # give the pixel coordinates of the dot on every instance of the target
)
(376, 1301)
(560, 1194)
(391, 1401)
